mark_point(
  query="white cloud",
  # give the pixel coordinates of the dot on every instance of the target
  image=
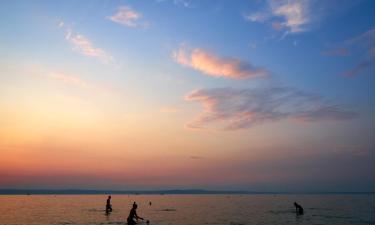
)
(291, 15)
(295, 14)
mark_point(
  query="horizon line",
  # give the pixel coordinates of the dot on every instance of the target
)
(65, 191)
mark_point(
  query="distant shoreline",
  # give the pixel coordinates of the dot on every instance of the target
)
(161, 192)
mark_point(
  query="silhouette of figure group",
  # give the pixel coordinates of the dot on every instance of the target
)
(133, 216)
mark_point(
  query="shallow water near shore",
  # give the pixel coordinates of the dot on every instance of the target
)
(188, 209)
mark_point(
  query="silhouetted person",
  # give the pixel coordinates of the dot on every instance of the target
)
(108, 206)
(299, 209)
(150, 203)
(133, 215)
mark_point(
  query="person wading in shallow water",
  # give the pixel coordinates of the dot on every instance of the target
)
(299, 209)
(108, 206)
(133, 217)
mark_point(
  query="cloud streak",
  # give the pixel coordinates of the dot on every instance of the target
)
(183, 3)
(217, 66)
(84, 46)
(336, 52)
(245, 108)
(366, 42)
(359, 68)
(67, 79)
(126, 16)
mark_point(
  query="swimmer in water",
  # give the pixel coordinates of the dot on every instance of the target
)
(299, 209)
(133, 217)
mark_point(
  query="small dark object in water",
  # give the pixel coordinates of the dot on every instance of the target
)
(150, 203)
(299, 209)
(168, 210)
(148, 221)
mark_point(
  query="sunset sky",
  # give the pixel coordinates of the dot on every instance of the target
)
(158, 94)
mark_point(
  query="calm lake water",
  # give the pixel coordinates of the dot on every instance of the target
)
(188, 209)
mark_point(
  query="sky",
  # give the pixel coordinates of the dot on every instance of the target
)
(262, 95)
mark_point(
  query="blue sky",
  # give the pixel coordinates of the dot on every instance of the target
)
(258, 79)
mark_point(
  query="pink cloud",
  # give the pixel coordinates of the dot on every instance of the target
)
(217, 66)
(84, 46)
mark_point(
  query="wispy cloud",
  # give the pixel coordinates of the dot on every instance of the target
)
(366, 43)
(74, 81)
(366, 39)
(359, 68)
(217, 66)
(244, 108)
(258, 17)
(64, 78)
(183, 3)
(83, 45)
(127, 16)
(291, 15)
(336, 52)
(67, 79)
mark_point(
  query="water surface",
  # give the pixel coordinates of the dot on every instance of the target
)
(188, 209)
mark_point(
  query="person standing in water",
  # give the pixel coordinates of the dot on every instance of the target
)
(299, 209)
(133, 217)
(108, 206)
